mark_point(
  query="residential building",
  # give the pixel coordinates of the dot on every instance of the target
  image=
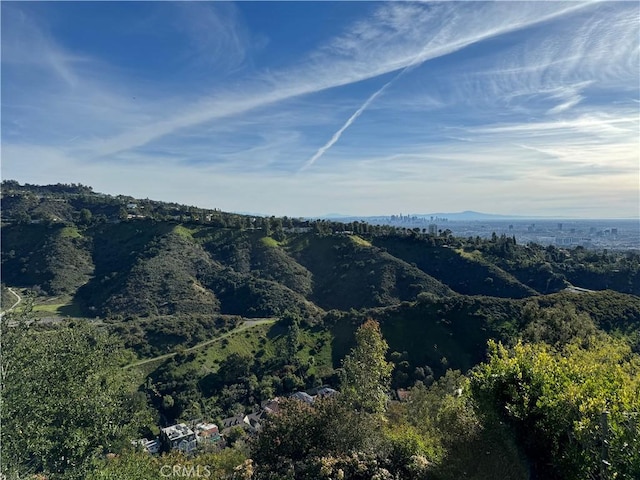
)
(149, 446)
(271, 406)
(207, 433)
(231, 422)
(303, 396)
(178, 437)
(250, 422)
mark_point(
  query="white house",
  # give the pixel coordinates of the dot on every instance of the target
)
(207, 433)
(178, 437)
(149, 446)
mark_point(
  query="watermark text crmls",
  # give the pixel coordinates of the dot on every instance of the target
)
(185, 471)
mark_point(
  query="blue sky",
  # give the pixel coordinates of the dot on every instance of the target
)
(306, 108)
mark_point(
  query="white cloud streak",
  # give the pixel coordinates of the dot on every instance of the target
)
(336, 136)
(194, 145)
(360, 32)
(375, 47)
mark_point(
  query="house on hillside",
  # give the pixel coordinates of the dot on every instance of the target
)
(271, 406)
(178, 437)
(250, 422)
(149, 446)
(303, 396)
(207, 434)
(231, 422)
(253, 421)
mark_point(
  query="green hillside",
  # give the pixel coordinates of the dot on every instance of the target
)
(465, 273)
(249, 251)
(351, 273)
(457, 328)
(166, 280)
(54, 260)
(212, 314)
(128, 257)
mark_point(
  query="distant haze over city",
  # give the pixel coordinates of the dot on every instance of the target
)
(460, 216)
(620, 234)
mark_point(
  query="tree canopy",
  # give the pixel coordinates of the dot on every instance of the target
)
(65, 399)
(366, 375)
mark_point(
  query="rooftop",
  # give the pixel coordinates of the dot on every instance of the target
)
(177, 431)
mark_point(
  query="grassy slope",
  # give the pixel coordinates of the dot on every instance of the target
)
(263, 341)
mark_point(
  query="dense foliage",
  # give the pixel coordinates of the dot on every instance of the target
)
(574, 408)
(478, 362)
(65, 399)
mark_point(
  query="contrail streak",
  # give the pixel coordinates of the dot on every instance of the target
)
(418, 60)
(336, 136)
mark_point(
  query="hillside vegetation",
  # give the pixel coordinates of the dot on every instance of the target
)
(505, 372)
(130, 258)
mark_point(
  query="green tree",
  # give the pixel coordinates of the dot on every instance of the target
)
(122, 213)
(235, 367)
(557, 326)
(85, 216)
(366, 375)
(293, 341)
(65, 399)
(299, 434)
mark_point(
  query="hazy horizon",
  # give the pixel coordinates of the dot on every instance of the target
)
(305, 108)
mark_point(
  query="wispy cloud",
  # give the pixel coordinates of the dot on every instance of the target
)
(217, 36)
(375, 47)
(27, 44)
(541, 95)
(601, 53)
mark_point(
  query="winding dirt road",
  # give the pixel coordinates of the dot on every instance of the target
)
(18, 300)
(244, 326)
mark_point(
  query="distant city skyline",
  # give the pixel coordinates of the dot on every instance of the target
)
(307, 108)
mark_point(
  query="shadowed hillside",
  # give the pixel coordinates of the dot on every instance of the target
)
(466, 274)
(55, 259)
(166, 280)
(349, 272)
(249, 251)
